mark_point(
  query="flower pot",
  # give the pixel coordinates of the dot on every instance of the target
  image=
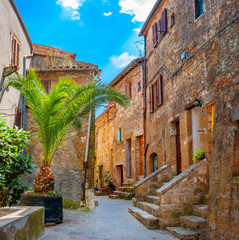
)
(53, 207)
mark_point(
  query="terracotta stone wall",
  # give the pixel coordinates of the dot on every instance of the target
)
(68, 160)
(130, 120)
(210, 73)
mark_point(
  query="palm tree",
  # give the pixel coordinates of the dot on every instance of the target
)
(55, 114)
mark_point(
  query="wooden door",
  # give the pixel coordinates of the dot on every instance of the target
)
(141, 154)
(128, 158)
(122, 175)
(178, 149)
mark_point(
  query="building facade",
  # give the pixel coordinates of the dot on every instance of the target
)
(15, 45)
(119, 131)
(192, 89)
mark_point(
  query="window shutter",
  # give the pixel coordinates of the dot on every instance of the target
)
(164, 21)
(155, 34)
(160, 91)
(151, 98)
(18, 118)
(18, 55)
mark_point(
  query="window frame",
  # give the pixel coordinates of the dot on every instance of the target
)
(195, 10)
(119, 134)
(15, 51)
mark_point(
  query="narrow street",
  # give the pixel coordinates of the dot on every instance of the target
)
(110, 221)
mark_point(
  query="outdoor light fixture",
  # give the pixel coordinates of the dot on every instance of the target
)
(197, 103)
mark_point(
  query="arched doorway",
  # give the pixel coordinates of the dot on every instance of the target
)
(155, 162)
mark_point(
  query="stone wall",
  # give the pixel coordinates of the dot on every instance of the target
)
(111, 153)
(210, 74)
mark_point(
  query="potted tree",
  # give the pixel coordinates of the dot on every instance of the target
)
(110, 182)
(55, 115)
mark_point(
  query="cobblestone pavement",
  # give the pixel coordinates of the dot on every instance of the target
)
(110, 221)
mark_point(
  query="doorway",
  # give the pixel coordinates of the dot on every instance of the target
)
(100, 176)
(119, 175)
(141, 155)
(178, 149)
(195, 128)
(128, 159)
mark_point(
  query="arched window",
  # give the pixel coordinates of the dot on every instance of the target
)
(155, 161)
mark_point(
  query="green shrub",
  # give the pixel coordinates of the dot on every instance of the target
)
(198, 155)
(13, 164)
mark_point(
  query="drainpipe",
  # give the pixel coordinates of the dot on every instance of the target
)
(145, 106)
(24, 100)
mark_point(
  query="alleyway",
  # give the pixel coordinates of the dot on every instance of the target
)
(110, 221)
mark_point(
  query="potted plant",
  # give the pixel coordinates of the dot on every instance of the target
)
(55, 115)
(110, 182)
(198, 156)
(13, 164)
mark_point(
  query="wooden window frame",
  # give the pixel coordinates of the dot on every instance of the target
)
(15, 51)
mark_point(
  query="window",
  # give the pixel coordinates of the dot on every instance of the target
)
(156, 94)
(198, 8)
(120, 135)
(159, 29)
(15, 52)
(128, 89)
(18, 119)
(46, 84)
(139, 86)
(172, 20)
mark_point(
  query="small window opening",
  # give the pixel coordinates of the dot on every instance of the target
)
(198, 8)
(172, 19)
(139, 86)
(120, 135)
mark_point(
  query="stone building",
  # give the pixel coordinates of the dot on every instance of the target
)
(119, 131)
(51, 64)
(15, 47)
(192, 102)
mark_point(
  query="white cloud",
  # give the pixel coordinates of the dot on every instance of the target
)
(75, 16)
(72, 7)
(123, 60)
(73, 4)
(140, 9)
(107, 14)
(137, 30)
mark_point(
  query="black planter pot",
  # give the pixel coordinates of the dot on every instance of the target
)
(53, 207)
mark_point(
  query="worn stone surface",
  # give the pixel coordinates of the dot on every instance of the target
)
(109, 221)
(25, 223)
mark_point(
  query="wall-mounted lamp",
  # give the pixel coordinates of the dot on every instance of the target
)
(197, 103)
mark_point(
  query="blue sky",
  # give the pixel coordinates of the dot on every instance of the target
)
(102, 32)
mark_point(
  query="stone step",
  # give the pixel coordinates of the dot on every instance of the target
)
(206, 198)
(113, 196)
(200, 210)
(149, 221)
(236, 180)
(154, 185)
(99, 193)
(126, 189)
(149, 207)
(124, 195)
(152, 199)
(183, 233)
(127, 184)
(103, 190)
(197, 224)
(151, 191)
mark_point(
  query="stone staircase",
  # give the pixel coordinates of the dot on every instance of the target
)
(177, 204)
(195, 226)
(126, 192)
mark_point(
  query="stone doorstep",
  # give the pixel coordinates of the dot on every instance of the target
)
(150, 221)
(149, 207)
(200, 210)
(182, 233)
(99, 193)
(236, 180)
(112, 196)
(124, 195)
(152, 199)
(126, 189)
(194, 223)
